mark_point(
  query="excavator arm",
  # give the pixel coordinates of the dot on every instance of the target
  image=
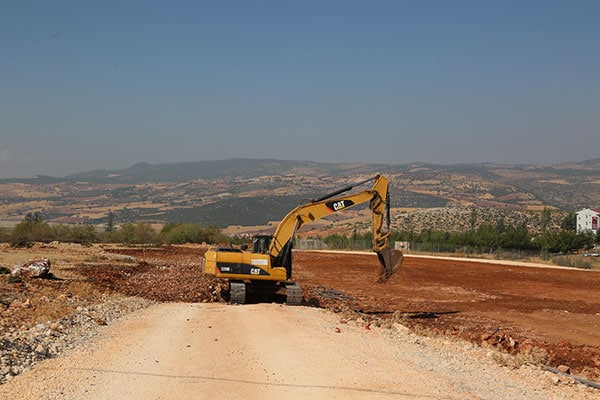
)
(316, 209)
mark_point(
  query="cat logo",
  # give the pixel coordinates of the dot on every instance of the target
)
(339, 205)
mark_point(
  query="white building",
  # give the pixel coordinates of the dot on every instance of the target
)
(588, 220)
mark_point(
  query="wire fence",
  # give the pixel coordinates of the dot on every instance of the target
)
(444, 249)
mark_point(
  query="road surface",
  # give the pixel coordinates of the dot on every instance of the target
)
(265, 351)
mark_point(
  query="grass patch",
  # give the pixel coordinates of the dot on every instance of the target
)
(572, 261)
(535, 356)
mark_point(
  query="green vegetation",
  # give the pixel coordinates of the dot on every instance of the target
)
(34, 229)
(358, 241)
(4, 235)
(138, 233)
(191, 233)
(499, 237)
(501, 241)
(246, 211)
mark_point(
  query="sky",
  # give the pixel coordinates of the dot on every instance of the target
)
(88, 85)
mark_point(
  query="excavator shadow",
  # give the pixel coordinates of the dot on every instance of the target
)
(428, 314)
(260, 297)
(412, 314)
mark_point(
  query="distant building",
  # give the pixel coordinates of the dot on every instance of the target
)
(588, 220)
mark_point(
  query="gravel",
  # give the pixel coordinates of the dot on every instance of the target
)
(22, 349)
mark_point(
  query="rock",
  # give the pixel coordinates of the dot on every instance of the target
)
(36, 268)
(40, 327)
(565, 369)
(401, 328)
(41, 349)
(22, 348)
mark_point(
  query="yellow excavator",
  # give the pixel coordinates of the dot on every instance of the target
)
(268, 265)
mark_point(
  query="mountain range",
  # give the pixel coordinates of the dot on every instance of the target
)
(256, 191)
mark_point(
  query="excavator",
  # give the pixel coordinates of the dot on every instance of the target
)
(267, 266)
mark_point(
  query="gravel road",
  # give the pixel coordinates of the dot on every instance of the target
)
(196, 351)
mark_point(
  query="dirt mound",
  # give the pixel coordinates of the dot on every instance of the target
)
(165, 274)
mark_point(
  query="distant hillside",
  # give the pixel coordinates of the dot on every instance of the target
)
(228, 169)
(246, 211)
(253, 192)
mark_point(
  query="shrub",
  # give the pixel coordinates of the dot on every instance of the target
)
(191, 233)
(138, 233)
(4, 235)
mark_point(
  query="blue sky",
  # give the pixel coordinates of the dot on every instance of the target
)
(106, 84)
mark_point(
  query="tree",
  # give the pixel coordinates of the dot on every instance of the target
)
(473, 218)
(33, 218)
(487, 236)
(545, 219)
(126, 233)
(145, 233)
(31, 229)
(569, 222)
(516, 238)
(191, 233)
(110, 222)
(138, 233)
(500, 225)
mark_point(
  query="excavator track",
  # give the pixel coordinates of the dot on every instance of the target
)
(237, 292)
(294, 294)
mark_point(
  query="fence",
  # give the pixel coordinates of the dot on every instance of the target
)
(431, 248)
(444, 249)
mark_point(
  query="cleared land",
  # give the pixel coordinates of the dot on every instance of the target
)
(509, 306)
(542, 315)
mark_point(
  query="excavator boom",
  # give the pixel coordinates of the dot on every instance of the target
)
(316, 209)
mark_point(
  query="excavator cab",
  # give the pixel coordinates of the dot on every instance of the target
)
(261, 243)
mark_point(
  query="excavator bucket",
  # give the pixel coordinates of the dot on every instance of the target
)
(389, 262)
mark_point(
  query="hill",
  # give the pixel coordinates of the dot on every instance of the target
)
(253, 192)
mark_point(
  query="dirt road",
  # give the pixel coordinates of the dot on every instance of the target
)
(196, 351)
